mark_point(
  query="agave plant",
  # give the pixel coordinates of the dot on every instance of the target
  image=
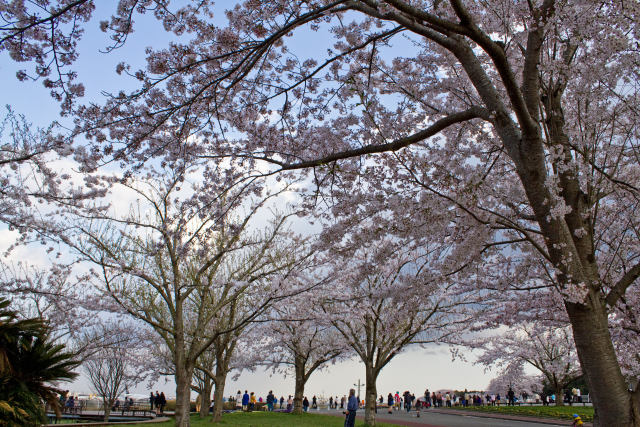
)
(30, 363)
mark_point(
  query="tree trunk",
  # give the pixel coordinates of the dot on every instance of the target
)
(300, 381)
(107, 409)
(205, 397)
(370, 397)
(218, 396)
(559, 395)
(608, 389)
(183, 392)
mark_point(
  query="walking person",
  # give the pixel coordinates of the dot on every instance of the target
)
(511, 397)
(281, 401)
(390, 403)
(352, 408)
(151, 400)
(270, 399)
(305, 404)
(407, 400)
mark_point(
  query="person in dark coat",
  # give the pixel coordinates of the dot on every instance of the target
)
(163, 402)
(156, 402)
(270, 399)
(352, 408)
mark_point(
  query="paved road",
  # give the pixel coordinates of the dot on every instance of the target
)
(436, 419)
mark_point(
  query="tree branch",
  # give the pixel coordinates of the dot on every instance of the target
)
(620, 288)
(438, 126)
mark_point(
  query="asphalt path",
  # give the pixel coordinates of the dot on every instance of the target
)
(430, 418)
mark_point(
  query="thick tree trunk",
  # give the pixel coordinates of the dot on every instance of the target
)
(183, 392)
(299, 390)
(635, 401)
(559, 395)
(218, 396)
(608, 389)
(205, 397)
(370, 396)
(107, 410)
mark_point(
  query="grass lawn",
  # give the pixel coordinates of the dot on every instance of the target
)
(268, 419)
(561, 412)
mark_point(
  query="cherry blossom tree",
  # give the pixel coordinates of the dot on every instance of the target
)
(301, 341)
(513, 376)
(182, 259)
(550, 350)
(523, 114)
(233, 336)
(114, 366)
(388, 299)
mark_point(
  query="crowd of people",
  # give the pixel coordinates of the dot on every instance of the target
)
(72, 404)
(395, 401)
(248, 401)
(157, 402)
(68, 403)
(407, 401)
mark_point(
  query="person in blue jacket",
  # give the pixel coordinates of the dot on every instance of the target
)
(352, 407)
(245, 401)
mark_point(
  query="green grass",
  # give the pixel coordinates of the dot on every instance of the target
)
(268, 419)
(560, 412)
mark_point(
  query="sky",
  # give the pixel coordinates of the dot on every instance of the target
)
(415, 370)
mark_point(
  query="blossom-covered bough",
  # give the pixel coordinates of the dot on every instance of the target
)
(523, 114)
(29, 177)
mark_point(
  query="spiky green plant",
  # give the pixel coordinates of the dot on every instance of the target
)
(29, 364)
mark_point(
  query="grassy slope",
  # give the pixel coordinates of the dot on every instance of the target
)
(561, 412)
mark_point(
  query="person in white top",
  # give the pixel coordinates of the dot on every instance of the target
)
(239, 400)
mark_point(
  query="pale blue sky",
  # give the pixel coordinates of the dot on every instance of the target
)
(414, 370)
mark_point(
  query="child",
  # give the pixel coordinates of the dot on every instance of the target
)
(577, 421)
